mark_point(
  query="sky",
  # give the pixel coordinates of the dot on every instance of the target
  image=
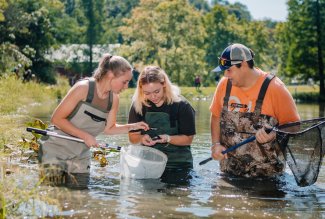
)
(260, 9)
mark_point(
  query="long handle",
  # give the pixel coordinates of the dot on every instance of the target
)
(54, 134)
(250, 139)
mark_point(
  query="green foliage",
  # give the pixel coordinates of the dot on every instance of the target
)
(200, 5)
(172, 43)
(29, 26)
(10, 56)
(301, 41)
(115, 12)
(221, 28)
(3, 5)
(226, 26)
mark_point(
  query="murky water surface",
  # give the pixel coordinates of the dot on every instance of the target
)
(207, 194)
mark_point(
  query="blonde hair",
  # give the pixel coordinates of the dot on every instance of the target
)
(154, 74)
(116, 64)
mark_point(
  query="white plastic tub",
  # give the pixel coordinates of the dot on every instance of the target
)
(142, 162)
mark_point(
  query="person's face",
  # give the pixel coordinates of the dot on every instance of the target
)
(154, 92)
(120, 83)
(235, 75)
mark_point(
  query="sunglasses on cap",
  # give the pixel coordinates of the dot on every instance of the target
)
(227, 63)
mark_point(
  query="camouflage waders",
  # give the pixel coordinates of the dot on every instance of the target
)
(252, 159)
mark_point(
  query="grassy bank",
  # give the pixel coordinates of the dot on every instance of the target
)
(16, 98)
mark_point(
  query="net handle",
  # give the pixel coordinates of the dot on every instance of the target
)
(320, 121)
(268, 130)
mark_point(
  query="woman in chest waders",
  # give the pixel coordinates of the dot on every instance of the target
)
(89, 108)
(170, 117)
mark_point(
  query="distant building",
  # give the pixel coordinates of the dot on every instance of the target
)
(78, 52)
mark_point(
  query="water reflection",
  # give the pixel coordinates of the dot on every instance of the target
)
(202, 192)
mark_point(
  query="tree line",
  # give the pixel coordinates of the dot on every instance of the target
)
(185, 37)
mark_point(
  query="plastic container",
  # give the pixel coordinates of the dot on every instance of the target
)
(142, 162)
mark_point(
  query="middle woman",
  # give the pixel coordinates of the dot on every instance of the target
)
(170, 117)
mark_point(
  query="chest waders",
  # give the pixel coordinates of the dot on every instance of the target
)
(68, 161)
(252, 159)
(166, 123)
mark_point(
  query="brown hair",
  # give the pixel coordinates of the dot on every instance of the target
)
(116, 64)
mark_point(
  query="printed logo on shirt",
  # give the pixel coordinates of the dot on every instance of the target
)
(236, 106)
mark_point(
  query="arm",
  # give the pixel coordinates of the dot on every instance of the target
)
(277, 97)
(216, 148)
(215, 109)
(186, 126)
(135, 137)
(179, 140)
(59, 118)
(113, 128)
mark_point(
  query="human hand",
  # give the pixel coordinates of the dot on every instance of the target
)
(147, 141)
(263, 137)
(90, 141)
(163, 139)
(138, 126)
(216, 152)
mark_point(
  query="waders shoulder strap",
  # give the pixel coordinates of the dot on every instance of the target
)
(262, 93)
(91, 90)
(227, 95)
(110, 101)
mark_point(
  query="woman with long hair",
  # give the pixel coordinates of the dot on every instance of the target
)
(171, 118)
(89, 108)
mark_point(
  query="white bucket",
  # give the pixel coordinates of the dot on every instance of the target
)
(142, 162)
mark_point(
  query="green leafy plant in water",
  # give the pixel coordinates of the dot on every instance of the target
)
(33, 143)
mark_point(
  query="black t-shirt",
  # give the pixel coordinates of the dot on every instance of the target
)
(185, 115)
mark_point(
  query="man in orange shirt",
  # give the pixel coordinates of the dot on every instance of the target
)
(245, 102)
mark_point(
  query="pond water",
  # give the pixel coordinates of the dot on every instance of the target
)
(207, 194)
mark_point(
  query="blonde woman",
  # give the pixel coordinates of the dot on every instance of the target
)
(170, 117)
(89, 108)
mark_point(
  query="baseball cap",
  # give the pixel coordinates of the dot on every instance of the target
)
(233, 54)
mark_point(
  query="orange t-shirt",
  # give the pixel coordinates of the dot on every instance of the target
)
(277, 103)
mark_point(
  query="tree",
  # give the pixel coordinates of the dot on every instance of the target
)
(115, 12)
(3, 6)
(169, 34)
(303, 41)
(29, 26)
(227, 24)
(93, 11)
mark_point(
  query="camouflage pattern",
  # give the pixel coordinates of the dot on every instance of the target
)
(252, 159)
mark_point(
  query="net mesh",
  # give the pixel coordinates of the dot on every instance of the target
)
(303, 146)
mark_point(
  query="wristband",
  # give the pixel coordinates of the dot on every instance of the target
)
(167, 138)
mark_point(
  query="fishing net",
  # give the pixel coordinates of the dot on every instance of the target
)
(303, 146)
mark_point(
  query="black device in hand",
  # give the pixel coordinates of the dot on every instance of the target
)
(157, 137)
